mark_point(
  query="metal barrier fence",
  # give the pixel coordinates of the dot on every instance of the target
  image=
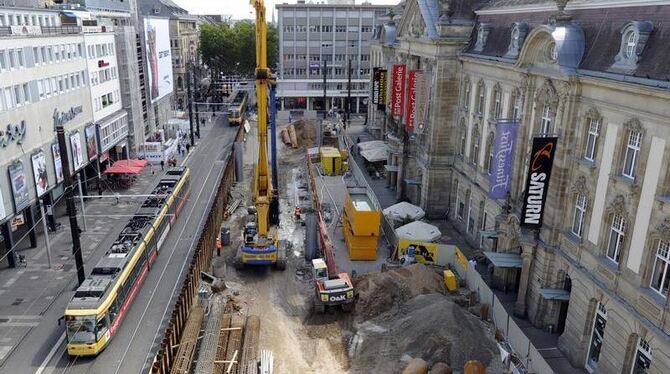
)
(201, 261)
(527, 353)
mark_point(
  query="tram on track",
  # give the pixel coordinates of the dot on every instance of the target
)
(96, 310)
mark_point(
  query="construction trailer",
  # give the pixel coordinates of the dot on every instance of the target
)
(360, 224)
(333, 161)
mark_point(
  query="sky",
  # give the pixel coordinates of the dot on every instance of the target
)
(241, 9)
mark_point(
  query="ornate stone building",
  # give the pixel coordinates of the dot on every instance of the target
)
(592, 74)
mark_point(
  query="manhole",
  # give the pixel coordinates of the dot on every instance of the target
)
(17, 301)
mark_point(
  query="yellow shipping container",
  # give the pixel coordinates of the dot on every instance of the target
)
(331, 160)
(360, 212)
(360, 247)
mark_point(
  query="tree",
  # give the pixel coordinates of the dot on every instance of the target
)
(232, 50)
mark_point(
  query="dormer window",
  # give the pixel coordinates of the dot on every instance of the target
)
(482, 34)
(518, 35)
(634, 36)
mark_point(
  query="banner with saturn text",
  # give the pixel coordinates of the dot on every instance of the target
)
(421, 100)
(375, 86)
(537, 183)
(500, 178)
(398, 76)
(383, 88)
(411, 97)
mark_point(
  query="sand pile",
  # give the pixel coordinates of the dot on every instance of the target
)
(306, 132)
(380, 292)
(430, 327)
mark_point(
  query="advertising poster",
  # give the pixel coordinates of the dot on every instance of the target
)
(411, 96)
(383, 89)
(537, 183)
(398, 76)
(77, 151)
(17, 178)
(421, 101)
(503, 157)
(40, 173)
(91, 142)
(423, 253)
(159, 58)
(375, 85)
(58, 164)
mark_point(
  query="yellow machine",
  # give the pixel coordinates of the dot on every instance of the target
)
(261, 244)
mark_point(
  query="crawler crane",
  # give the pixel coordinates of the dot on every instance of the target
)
(260, 236)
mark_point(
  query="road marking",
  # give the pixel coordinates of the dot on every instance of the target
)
(51, 354)
(202, 189)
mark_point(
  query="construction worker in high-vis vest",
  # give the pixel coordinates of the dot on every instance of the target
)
(218, 246)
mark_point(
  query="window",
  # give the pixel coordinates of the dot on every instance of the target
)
(40, 89)
(592, 140)
(36, 55)
(3, 61)
(660, 279)
(461, 207)
(489, 145)
(642, 359)
(480, 99)
(475, 147)
(461, 149)
(340, 28)
(545, 121)
(597, 336)
(18, 95)
(12, 59)
(466, 94)
(366, 28)
(326, 28)
(580, 213)
(631, 44)
(516, 105)
(19, 58)
(9, 101)
(365, 57)
(632, 154)
(615, 244)
(497, 103)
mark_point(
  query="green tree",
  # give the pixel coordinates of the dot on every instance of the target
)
(232, 50)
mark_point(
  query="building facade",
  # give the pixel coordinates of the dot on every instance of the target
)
(586, 81)
(45, 80)
(332, 34)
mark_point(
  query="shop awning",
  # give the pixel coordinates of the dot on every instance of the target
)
(504, 260)
(133, 163)
(555, 294)
(120, 169)
(493, 234)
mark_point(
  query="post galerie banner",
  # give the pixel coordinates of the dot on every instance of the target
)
(410, 112)
(398, 76)
(421, 100)
(537, 183)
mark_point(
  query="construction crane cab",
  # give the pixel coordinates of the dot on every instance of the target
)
(260, 235)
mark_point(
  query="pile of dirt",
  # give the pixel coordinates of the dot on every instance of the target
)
(430, 327)
(381, 292)
(306, 132)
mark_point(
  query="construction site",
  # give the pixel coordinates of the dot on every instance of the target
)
(261, 319)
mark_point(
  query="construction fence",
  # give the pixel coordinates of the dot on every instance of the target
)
(201, 260)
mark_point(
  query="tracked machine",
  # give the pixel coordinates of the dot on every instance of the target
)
(260, 235)
(331, 288)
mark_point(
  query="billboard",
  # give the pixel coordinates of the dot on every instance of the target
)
(40, 172)
(91, 142)
(383, 79)
(411, 97)
(503, 158)
(58, 164)
(537, 183)
(77, 152)
(398, 89)
(159, 58)
(17, 178)
(423, 252)
(421, 100)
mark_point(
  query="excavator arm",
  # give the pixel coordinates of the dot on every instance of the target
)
(263, 194)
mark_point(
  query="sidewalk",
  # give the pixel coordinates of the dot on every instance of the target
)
(546, 343)
(26, 293)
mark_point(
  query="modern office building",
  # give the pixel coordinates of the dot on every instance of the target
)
(330, 33)
(45, 79)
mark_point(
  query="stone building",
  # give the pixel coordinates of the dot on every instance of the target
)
(591, 74)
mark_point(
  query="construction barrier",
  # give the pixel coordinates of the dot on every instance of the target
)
(200, 261)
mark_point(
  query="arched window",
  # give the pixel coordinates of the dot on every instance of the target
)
(180, 83)
(474, 147)
(579, 215)
(546, 119)
(481, 96)
(466, 94)
(497, 102)
(516, 104)
(616, 238)
(463, 134)
(489, 153)
(660, 277)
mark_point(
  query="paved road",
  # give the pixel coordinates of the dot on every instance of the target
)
(43, 350)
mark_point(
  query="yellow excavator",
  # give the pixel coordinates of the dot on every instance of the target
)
(260, 235)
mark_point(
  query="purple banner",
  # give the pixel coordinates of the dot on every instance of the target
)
(503, 157)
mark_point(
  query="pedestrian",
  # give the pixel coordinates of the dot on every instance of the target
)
(188, 148)
(218, 246)
(473, 263)
(162, 164)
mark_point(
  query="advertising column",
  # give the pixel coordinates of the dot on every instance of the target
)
(537, 183)
(398, 90)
